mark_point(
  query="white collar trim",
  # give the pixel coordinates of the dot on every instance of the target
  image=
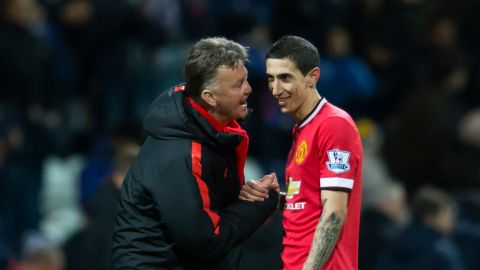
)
(315, 112)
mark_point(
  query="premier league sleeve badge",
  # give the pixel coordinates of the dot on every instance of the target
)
(338, 161)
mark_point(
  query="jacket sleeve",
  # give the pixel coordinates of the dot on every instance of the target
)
(199, 231)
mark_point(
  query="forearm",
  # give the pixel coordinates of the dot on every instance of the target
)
(325, 238)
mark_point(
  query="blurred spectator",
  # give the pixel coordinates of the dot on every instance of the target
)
(345, 79)
(383, 38)
(465, 157)
(98, 35)
(425, 244)
(465, 167)
(311, 18)
(383, 216)
(469, 129)
(165, 16)
(467, 231)
(419, 138)
(197, 18)
(446, 62)
(19, 179)
(236, 17)
(39, 254)
(97, 165)
(24, 68)
(60, 197)
(375, 171)
(91, 247)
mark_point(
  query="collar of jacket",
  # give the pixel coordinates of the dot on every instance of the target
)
(219, 127)
(231, 127)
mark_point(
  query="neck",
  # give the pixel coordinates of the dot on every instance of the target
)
(309, 104)
(209, 114)
(222, 120)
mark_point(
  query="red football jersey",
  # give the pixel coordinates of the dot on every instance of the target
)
(326, 153)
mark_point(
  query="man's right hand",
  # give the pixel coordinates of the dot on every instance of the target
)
(257, 190)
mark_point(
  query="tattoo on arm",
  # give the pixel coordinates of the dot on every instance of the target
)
(325, 239)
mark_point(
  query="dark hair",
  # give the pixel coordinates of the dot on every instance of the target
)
(298, 50)
(429, 201)
(206, 56)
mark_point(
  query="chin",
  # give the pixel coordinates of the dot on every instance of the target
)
(284, 110)
(242, 115)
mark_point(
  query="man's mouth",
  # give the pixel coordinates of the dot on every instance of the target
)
(244, 105)
(282, 101)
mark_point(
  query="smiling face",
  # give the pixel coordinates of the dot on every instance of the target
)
(296, 94)
(230, 92)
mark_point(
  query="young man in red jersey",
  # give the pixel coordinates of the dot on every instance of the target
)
(322, 211)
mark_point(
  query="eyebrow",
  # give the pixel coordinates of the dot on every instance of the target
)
(241, 79)
(280, 75)
(238, 81)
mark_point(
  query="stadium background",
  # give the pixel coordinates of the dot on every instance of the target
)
(76, 77)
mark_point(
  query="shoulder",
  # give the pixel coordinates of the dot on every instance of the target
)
(334, 119)
(162, 154)
(165, 150)
(333, 113)
(157, 157)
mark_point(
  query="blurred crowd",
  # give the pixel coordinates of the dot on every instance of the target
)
(76, 77)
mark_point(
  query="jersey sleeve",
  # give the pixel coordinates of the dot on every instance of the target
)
(340, 154)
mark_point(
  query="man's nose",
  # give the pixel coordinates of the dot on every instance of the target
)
(248, 88)
(275, 88)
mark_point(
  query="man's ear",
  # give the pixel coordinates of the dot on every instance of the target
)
(209, 97)
(313, 77)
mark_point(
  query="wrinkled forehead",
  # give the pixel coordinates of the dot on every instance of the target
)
(239, 66)
(231, 74)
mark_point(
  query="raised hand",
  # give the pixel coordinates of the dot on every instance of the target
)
(257, 190)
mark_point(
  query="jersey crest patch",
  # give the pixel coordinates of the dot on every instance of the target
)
(293, 188)
(301, 153)
(338, 161)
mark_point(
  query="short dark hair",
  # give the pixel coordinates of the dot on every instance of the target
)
(206, 56)
(429, 202)
(298, 50)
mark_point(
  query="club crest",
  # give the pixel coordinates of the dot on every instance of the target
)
(301, 153)
(338, 161)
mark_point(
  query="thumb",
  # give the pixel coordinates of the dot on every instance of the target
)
(267, 179)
